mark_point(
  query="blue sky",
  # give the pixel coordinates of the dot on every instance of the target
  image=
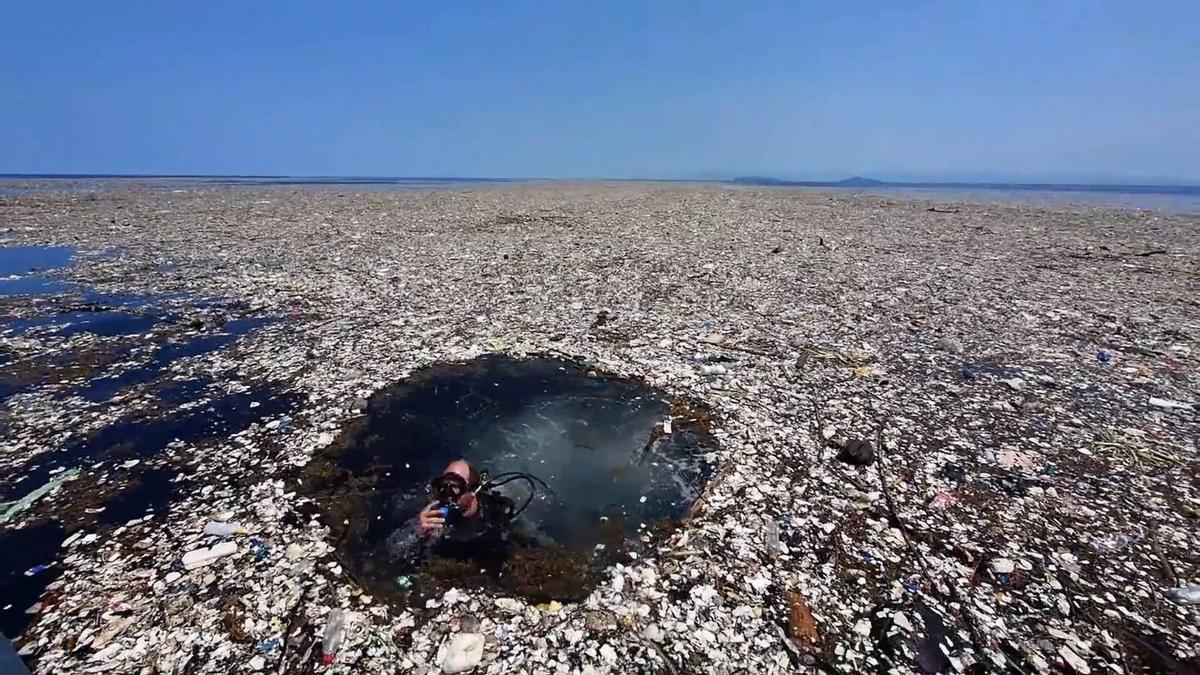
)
(902, 89)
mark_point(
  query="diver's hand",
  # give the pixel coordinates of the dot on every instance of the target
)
(430, 520)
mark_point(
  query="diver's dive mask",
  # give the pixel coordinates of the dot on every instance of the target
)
(447, 489)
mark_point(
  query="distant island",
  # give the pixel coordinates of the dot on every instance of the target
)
(860, 182)
(854, 181)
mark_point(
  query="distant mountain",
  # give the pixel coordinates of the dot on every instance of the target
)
(859, 181)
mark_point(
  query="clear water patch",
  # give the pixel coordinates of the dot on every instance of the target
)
(23, 269)
(611, 463)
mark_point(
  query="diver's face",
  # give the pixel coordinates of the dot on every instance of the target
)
(468, 503)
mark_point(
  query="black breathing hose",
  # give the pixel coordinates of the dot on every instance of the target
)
(508, 477)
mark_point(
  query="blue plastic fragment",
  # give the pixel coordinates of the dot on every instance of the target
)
(267, 646)
(259, 549)
(37, 569)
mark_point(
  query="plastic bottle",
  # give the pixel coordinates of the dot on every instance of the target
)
(1185, 595)
(223, 529)
(335, 632)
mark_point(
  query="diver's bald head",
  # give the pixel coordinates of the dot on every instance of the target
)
(462, 468)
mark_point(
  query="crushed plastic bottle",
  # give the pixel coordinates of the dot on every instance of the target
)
(771, 538)
(1185, 595)
(335, 632)
(949, 344)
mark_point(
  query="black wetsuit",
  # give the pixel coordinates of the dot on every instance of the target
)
(486, 532)
(484, 536)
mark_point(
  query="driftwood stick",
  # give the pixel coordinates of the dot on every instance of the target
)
(698, 505)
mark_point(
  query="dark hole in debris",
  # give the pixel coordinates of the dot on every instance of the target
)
(598, 442)
(857, 452)
(931, 657)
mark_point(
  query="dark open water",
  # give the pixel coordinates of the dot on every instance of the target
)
(97, 346)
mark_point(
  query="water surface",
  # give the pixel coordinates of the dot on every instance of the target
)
(598, 443)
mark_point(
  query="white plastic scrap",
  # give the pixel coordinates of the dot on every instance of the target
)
(206, 556)
(1169, 404)
(464, 652)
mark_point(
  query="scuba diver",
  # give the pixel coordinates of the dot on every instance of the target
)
(468, 518)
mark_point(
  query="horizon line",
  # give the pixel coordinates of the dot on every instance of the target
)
(748, 180)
